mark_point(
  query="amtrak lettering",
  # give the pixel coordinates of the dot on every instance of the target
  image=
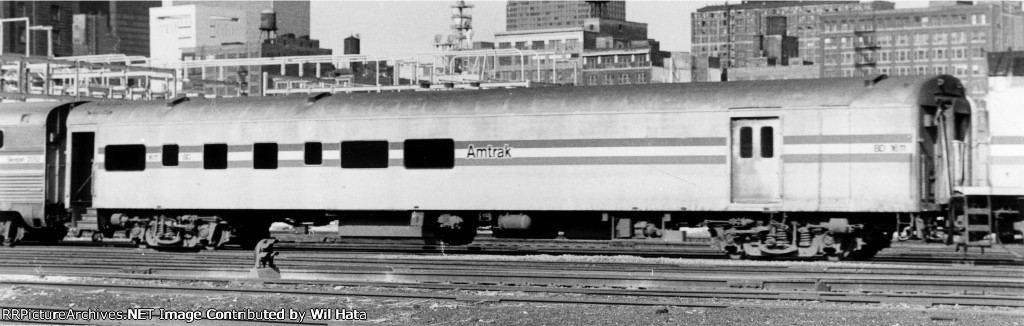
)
(488, 152)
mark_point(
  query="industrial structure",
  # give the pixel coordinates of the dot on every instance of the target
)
(229, 48)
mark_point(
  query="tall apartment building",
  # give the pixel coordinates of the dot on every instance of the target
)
(102, 27)
(735, 34)
(950, 40)
(56, 14)
(534, 15)
(292, 16)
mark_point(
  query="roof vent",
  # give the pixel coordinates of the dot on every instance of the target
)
(177, 100)
(313, 98)
(871, 82)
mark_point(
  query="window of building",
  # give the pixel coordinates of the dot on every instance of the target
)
(264, 156)
(537, 45)
(609, 80)
(124, 157)
(55, 13)
(1, 139)
(215, 156)
(169, 155)
(901, 55)
(429, 153)
(978, 37)
(571, 44)
(313, 153)
(959, 53)
(365, 154)
(624, 79)
(957, 37)
(592, 80)
(920, 38)
(921, 71)
(20, 31)
(767, 142)
(921, 55)
(746, 142)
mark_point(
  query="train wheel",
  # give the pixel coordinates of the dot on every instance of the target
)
(11, 231)
(52, 236)
(455, 230)
(865, 253)
(247, 235)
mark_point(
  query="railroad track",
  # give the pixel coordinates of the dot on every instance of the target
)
(906, 253)
(635, 277)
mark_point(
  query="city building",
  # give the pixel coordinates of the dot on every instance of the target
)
(105, 27)
(601, 52)
(91, 34)
(947, 39)
(677, 68)
(233, 80)
(193, 26)
(775, 72)
(292, 16)
(538, 15)
(55, 14)
(742, 34)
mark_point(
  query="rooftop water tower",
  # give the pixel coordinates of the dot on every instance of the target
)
(268, 24)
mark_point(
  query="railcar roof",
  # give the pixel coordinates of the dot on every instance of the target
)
(27, 114)
(842, 92)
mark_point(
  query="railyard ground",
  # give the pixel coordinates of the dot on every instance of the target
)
(487, 311)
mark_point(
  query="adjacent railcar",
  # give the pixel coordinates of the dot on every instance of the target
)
(994, 200)
(789, 168)
(32, 171)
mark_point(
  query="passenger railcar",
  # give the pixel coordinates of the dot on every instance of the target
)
(32, 171)
(788, 168)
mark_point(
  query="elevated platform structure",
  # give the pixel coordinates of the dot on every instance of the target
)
(117, 76)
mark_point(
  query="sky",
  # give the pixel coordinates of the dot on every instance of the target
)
(403, 29)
